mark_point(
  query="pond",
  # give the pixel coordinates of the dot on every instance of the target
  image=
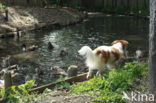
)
(98, 29)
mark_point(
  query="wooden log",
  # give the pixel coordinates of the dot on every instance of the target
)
(13, 67)
(2, 72)
(6, 14)
(79, 78)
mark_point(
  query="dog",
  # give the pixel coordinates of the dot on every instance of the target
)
(103, 56)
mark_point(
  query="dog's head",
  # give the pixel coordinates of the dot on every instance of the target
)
(84, 50)
(124, 43)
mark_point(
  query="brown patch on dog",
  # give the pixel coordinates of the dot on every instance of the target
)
(105, 55)
(116, 53)
(98, 52)
(123, 42)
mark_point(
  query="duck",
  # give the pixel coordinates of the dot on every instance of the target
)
(27, 78)
(50, 46)
(30, 48)
(63, 53)
(24, 48)
(6, 61)
(72, 70)
(38, 71)
(58, 71)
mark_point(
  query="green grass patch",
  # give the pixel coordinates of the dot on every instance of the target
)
(1, 5)
(109, 88)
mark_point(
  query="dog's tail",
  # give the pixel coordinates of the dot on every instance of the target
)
(90, 56)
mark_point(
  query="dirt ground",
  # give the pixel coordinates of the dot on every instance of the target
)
(35, 18)
(68, 99)
(63, 97)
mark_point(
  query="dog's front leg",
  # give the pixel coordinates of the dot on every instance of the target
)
(98, 74)
(89, 75)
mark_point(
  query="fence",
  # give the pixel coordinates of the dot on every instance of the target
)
(130, 4)
(135, 6)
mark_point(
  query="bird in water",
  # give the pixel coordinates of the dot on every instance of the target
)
(27, 78)
(58, 71)
(30, 48)
(63, 53)
(38, 71)
(6, 61)
(24, 48)
(50, 46)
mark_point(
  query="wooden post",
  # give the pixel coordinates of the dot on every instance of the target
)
(17, 32)
(6, 13)
(7, 81)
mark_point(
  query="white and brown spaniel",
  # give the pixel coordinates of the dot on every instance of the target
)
(103, 56)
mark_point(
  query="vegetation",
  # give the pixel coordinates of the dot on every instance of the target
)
(1, 6)
(110, 87)
(19, 94)
(63, 84)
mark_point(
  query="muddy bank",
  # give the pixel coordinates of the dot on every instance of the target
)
(26, 19)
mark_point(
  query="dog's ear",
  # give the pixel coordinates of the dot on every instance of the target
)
(125, 42)
(114, 42)
(120, 41)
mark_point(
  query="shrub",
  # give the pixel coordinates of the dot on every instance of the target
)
(62, 83)
(109, 88)
(19, 94)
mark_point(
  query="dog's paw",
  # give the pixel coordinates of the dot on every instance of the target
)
(88, 76)
(98, 74)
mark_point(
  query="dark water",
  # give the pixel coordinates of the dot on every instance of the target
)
(97, 30)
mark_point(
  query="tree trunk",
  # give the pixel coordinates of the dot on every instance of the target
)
(152, 48)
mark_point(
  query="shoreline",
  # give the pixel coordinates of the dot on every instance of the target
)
(22, 20)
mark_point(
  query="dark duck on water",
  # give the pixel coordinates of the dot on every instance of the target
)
(30, 48)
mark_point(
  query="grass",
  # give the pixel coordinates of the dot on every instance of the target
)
(110, 87)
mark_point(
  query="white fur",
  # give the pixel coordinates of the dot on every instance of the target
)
(93, 61)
